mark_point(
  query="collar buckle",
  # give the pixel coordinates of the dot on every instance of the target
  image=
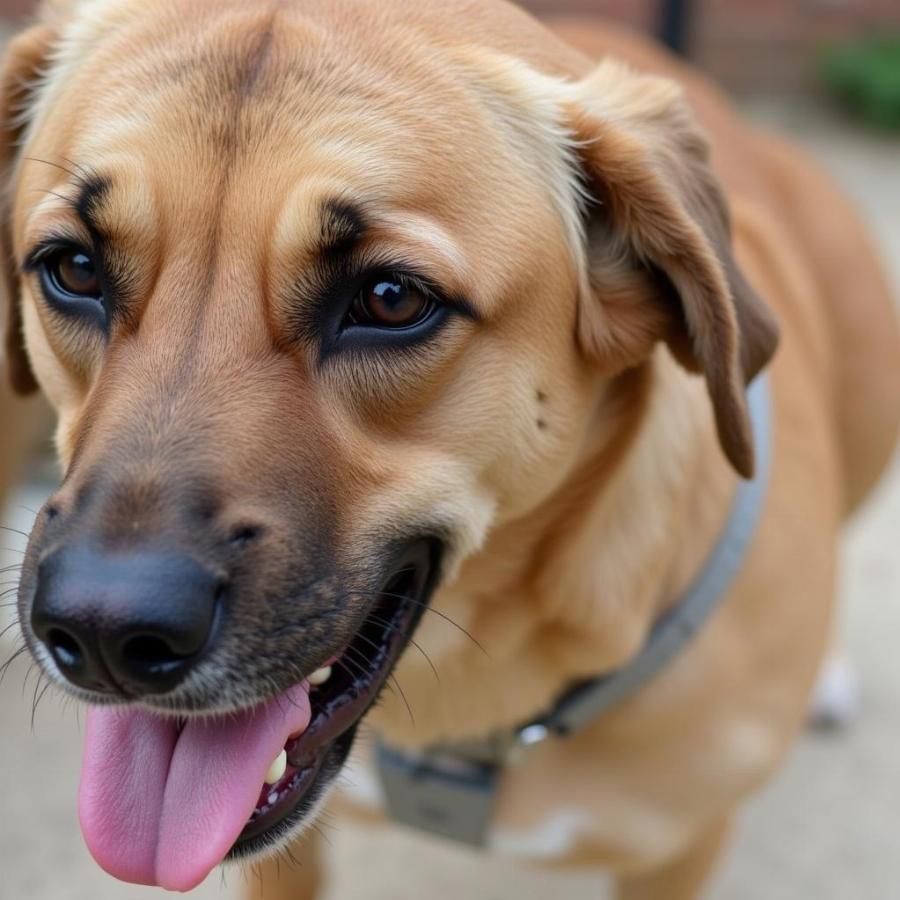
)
(450, 790)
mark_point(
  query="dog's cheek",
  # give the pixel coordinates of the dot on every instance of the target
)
(64, 389)
(538, 440)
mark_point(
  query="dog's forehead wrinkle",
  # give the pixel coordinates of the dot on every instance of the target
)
(341, 111)
(257, 57)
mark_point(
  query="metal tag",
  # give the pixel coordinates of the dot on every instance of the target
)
(449, 797)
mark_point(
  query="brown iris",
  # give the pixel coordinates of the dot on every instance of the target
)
(391, 303)
(74, 273)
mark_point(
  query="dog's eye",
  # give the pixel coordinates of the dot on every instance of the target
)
(386, 310)
(70, 274)
(73, 272)
(391, 302)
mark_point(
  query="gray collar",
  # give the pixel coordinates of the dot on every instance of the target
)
(449, 790)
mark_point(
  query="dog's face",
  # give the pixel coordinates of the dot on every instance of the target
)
(319, 303)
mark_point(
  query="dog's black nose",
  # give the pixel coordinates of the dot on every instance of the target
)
(133, 622)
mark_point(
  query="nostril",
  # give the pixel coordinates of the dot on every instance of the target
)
(150, 654)
(134, 623)
(245, 534)
(65, 648)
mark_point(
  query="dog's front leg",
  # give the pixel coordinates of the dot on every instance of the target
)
(293, 874)
(682, 878)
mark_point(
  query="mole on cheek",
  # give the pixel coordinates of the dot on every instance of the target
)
(541, 399)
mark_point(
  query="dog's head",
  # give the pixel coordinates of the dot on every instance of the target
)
(321, 293)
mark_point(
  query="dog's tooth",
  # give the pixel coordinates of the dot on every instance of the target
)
(277, 769)
(320, 676)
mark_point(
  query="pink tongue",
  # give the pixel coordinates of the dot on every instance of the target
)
(163, 807)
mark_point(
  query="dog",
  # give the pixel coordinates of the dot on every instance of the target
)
(373, 318)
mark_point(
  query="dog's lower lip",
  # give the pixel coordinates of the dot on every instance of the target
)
(348, 695)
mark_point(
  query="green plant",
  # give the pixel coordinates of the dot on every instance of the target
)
(866, 77)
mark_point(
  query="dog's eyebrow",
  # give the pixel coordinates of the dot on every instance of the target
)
(341, 227)
(89, 200)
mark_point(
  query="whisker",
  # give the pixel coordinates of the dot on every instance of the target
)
(361, 660)
(85, 173)
(36, 699)
(78, 177)
(390, 626)
(67, 200)
(343, 662)
(31, 668)
(16, 654)
(319, 830)
(13, 624)
(361, 671)
(391, 677)
(427, 607)
(294, 861)
(411, 641)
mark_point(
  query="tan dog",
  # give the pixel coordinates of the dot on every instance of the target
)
(339, 301)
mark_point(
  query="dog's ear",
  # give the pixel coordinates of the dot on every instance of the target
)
(25, 56)
(659, 247)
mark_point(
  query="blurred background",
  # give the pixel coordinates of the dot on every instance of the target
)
(827, 74)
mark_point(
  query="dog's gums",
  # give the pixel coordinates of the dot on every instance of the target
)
(162, 802)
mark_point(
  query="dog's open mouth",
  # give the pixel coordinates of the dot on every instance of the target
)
(163, 803)
(351, 684)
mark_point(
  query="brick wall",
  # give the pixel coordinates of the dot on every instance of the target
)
(753, 44)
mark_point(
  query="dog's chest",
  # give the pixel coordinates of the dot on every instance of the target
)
(535, 822)
(581, 798)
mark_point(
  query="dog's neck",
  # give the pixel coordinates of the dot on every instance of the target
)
(573, 588)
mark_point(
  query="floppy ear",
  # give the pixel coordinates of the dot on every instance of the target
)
(659, 247)
(21, 68)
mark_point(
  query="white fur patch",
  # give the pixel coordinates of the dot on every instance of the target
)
(360, 786)
(556, 835)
